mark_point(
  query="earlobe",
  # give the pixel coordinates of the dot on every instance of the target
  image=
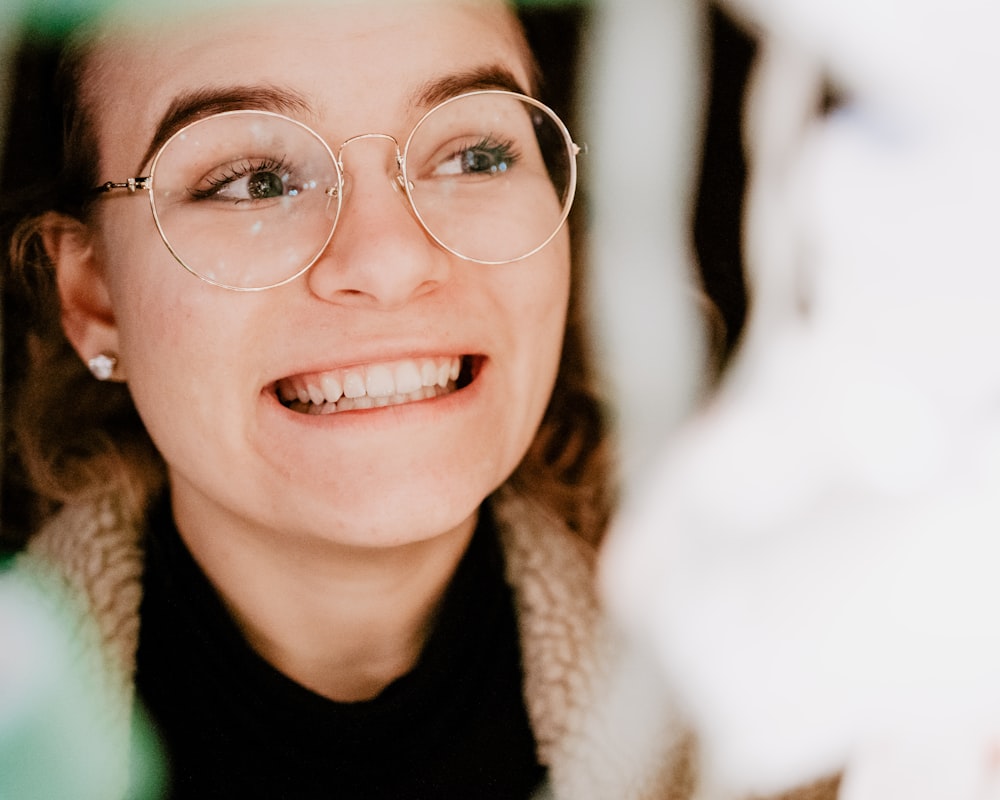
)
(88, 318)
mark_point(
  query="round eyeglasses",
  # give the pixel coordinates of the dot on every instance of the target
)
(249, 200)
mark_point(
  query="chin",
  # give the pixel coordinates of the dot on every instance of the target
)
(368, 517)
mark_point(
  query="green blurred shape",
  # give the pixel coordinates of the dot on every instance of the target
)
(57, 17)
(54, 708)
(53, 18)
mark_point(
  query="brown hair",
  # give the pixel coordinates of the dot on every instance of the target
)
(68, 437)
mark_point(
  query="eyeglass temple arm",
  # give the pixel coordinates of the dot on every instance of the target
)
(130, 184)
(133, 184)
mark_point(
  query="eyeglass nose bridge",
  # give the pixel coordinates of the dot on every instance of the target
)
(366, 136)
(399, 181)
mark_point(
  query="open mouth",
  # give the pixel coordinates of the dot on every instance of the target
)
(391, 383)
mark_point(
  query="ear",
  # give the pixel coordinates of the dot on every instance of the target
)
(88, 319)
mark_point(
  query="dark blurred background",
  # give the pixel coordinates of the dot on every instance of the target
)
(555, 34)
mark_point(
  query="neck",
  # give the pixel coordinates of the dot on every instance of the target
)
(342, 621)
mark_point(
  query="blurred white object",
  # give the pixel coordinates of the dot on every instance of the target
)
(645, 85)
(817, 558)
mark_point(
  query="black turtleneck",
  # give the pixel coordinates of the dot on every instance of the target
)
(234, 726)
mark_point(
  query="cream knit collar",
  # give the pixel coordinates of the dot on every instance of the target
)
(600, 734)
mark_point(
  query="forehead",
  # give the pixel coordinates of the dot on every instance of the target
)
(356, 66)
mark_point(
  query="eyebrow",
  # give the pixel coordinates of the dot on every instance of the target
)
(490, 77)
(190, 106)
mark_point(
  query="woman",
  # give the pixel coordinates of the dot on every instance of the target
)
(326, 488)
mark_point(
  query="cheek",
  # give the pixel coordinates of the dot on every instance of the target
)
(150, 304)
(546, 303)
(169, 333)
(164, 353)
(157, 303)
(543, 339)
(539, 321)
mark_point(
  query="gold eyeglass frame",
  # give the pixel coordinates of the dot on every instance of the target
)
(134, 184)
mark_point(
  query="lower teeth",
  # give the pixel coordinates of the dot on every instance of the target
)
(365, 402)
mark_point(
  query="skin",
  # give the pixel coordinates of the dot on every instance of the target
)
(331, 538)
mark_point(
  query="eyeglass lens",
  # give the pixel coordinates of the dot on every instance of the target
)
(249, 199)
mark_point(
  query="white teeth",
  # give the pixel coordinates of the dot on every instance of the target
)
(354, 384)
(380, 382)
(332, 389)
(407, 378)
(428, 372)
(371, 386)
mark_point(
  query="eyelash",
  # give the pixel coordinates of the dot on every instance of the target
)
(504, 150)
(236, 173)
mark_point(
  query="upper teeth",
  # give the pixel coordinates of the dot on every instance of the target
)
(373, 380)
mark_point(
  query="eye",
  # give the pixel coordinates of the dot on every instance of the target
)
(264, 184)
(247, 180)
(486, 157)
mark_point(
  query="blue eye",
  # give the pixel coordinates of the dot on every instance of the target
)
(486, 157)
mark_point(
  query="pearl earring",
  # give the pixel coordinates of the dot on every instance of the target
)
(102, 366)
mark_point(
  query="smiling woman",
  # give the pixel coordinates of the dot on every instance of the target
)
(330, 473)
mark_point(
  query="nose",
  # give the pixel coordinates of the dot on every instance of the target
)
(379, 256)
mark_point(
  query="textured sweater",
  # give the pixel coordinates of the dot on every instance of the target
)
(597, 736)
(599, 713)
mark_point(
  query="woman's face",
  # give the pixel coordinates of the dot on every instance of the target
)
(208, 368)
